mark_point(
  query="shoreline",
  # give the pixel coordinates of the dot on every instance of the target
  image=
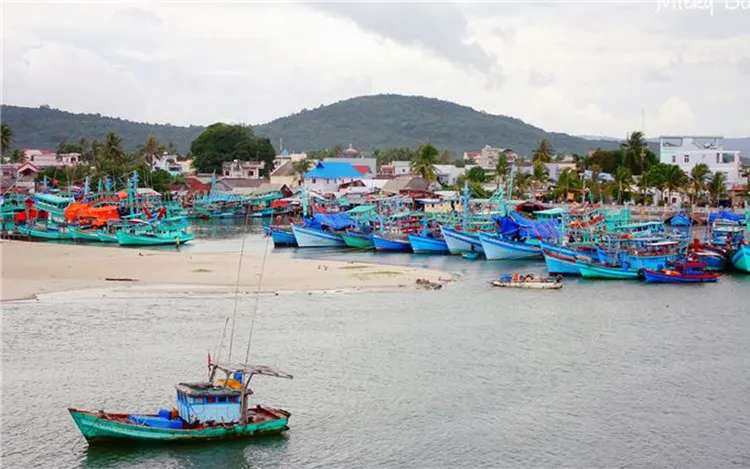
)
(30, 269)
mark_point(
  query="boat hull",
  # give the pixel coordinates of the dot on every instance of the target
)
(384, 244)
(558, 264)
(130, 239)
(606, 272)
(653, 276)
(358, 240)
(314, 238)
(100, 430)
(528, 285)
(741, 258)
(459, 242)
(427, 245)
(84, 235)
(282, 237)
(42, 234)
(496, 248)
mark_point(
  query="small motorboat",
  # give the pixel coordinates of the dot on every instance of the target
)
(470, 255)
(685, 272)
(530, 281)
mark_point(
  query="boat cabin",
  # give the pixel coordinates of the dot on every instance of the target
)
(206, 402)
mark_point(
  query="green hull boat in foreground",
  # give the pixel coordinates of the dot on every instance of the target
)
(104, 427)
(606, 272)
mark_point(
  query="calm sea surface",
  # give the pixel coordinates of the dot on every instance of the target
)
(597, 375)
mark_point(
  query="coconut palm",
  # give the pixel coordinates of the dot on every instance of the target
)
(543, 153)
(653, 178)
(424, 162)
(501, 169)
(302, 166)
(634, 152)
(675, 179)
(151, 150)
(623, 182)
(539, 176)
(112, 149)
(567, 181)
(698, 178)
(6, 138)
(717, 186)
(593, 184)
(521, 183)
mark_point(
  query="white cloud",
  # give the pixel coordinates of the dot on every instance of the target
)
(576, 68)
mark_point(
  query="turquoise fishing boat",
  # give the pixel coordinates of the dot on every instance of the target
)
(606, 271)
(217, 409)
(358, 239)
(42, 232)
(84, 234)
(741, 258)
(141, 233)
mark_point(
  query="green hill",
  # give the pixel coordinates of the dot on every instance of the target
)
(367, 122)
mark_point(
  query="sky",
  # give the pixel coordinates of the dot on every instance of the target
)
(585, 68)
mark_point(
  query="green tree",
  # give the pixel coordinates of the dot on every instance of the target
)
(698, 178)
(160, 180)
(424, 162)
(501, 169)
(17, 156)
(543, 152)
(568, 181)
(445, 157)
(622, 183)
(539, 176)
(476, 174)
(717, 187)
(521, 183)
(151, 150)
(221, 142)
(594, 185)
(634, 151)
(302, 166)
(6, 138)
(675, 179)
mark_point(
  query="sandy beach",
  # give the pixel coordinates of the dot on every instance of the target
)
(29, 269)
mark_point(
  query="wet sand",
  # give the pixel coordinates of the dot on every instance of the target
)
(29, 269)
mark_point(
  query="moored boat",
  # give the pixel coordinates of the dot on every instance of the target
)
(357, 239)
(385, 243)
(590, 269)
(495, 247)
(428, 244)
(460, 241)
(308, 237)
(560, 264)
(282, 236)
(685, 272)
(530, 281)
(741, 258)
(214, 410)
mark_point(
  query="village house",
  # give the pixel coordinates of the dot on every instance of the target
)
(168, 163)
(396, 168)
(412, 186)
(286, 157)
(50, 159)
(688, 151)
(487, 157)
(286, 174)
(242, 169)
(327, 176)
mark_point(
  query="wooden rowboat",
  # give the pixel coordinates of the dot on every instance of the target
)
(532, 282)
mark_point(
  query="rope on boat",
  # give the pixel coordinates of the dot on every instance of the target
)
(237, 286)
(257, 298)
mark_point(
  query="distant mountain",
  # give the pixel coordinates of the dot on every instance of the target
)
(44, 127)
(387, 120)
(367, 122)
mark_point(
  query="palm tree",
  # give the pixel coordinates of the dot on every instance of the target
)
(594, 185)
(151, 150)
(634, 152)
(674, 179)
(698, 178)
(543, 152)
(653, 178)
(623, 182)
(539, 176)
(112, 149)
(6, 138)
(302, 166)
(717, 187)
(568, 181)
(424, 162)
(501, 169)
(580, 162)
(521, 183)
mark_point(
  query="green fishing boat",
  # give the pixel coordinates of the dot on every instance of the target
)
(214, 410)
(84, 234)
(604, 271)
(356, 239)
(41, 232)
(152, 238)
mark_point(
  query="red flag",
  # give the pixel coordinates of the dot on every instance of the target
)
(209, 358)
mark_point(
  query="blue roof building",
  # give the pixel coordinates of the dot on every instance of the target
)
(327, 176)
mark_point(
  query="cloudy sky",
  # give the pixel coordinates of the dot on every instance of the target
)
(581, 68)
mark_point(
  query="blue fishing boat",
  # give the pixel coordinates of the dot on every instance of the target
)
(308, 237)
(390, 243)
(495, 247)
(428, 244)
(741, 258)
(560, 264)
(282, 236)
(460, 241)
(685, 272)
(590, 269)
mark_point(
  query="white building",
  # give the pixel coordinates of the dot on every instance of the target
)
(286, 157)
(242, 169)
(327, 176)
(688, 151)
(487, 157)
(447, 174)
(168, 163)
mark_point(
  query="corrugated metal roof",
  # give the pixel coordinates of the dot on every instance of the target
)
(333, 170)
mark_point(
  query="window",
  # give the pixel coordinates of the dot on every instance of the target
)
(674, 159)
(314, 180)
(222, 399)
(211, 399)
(687, 158)
(234, 398)
(198, 400)
(718, 157)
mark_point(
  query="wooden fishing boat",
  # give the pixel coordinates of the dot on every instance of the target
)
(84, 234)
(308, 237)
(686, 272)
(387, 243)
(560, 264)
(591, 269)
(421, 244)
(357, 239)
(741, 258)
(495, 247)
(460, 241)
(531, 281)
(282, 236)
(214, 410)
